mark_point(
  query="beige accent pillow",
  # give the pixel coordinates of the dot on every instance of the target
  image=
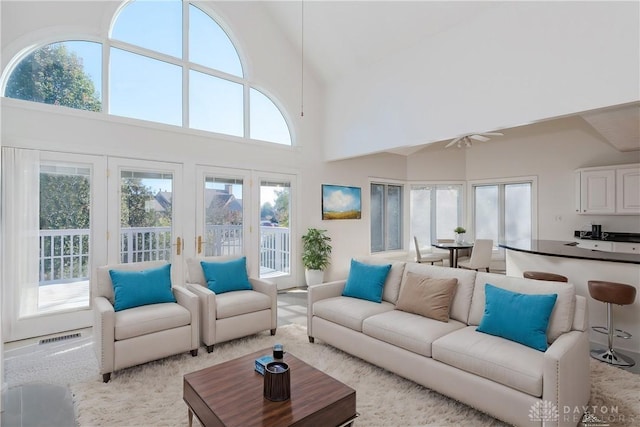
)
(426, 296)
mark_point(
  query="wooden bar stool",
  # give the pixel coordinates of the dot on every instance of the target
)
(541, 275)
(612, 293)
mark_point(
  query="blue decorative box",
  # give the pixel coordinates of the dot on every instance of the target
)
(261, 363)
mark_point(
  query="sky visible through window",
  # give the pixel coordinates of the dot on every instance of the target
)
(148, 86)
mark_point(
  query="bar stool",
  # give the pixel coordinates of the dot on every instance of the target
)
(541, 275)
(612, 293)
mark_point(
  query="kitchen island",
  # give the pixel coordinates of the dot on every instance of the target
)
(580, 265)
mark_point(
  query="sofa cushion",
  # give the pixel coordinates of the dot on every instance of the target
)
(137, 288)
(366, 281)
(426, 296)
(497, 359)
(394, 278)
(226, 276)
(563, 312)
(236, 303)
(464, 290)
(349, 312)
(409, 331)
(148, 319)
(517, 317)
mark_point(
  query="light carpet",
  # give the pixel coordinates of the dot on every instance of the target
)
(151, 394)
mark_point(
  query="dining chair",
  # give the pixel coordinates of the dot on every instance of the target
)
(430, 257)
(480, 256)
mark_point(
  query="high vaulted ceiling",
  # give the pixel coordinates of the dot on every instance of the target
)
(343, 37)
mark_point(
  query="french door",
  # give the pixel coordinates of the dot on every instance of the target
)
(53, 212)
(145, 213)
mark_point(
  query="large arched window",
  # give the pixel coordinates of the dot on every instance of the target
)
(169, 62)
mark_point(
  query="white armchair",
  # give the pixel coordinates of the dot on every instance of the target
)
(230, 315)
(140, 334)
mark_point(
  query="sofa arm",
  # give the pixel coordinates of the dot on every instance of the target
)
(189, 300)
(566, 379)
(207, 309)
(319, 292)
(270, 289)
(104, 329)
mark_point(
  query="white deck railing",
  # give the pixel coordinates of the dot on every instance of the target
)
(64, 254)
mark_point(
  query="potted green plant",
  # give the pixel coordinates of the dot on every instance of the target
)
(459, 234)
(316, 255)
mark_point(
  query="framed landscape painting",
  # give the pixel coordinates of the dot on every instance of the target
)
(340, 202)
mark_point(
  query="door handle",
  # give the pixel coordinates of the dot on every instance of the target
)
(179, 244)
(199, 244)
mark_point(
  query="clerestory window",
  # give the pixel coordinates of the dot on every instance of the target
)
(168, 62)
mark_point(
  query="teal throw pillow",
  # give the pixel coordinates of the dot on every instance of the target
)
(226, 276)
(522, 318)
(366, 281)
(137, 288)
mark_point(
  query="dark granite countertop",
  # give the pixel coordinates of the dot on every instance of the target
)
(613, 236)
(567, 250)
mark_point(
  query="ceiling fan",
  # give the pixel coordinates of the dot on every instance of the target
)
(466, 139)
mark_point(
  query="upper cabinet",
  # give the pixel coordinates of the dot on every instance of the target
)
(628, 190)
(608, 190)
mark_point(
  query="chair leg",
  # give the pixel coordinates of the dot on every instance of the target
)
(209, 348)
(312, 340)
(106, 377)
(273, 332)
(194, 353)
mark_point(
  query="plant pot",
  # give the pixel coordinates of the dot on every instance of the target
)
(459, 237)
(313, 277)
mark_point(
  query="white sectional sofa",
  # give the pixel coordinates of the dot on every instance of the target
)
(505, 379)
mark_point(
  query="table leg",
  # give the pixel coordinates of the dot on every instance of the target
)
(451, 257)
(190, 417)
(454, 255)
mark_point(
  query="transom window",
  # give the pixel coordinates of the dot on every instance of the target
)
(153, 75)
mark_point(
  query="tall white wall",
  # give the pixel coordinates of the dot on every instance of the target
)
(517, 63)
(272, 64)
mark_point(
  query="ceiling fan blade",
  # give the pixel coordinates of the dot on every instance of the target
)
(454, 142)
(491, 134)
(479, 137)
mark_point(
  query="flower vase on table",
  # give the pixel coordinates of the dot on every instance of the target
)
(459, 237)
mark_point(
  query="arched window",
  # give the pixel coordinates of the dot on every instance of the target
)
(149, 68)
(66, 73)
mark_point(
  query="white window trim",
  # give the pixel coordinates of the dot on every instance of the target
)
(408, 238)
(533, 179)
(36, 41)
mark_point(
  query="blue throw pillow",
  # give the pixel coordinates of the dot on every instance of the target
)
(522, 318)
(227, 276)
(366, 281)
(136, 288)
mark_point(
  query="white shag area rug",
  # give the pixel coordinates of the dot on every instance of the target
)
(151, 394)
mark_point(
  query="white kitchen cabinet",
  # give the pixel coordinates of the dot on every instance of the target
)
(598, 191)
(608, 190)
(629, 248)
(628, 190)
(596, 245)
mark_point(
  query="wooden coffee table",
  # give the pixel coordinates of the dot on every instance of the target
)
(230, 394)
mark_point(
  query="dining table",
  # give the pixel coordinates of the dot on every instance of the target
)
(453, 248)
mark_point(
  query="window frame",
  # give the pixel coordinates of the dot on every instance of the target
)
(501, 182)
(433, 213)
(402, 217)
(107, 43)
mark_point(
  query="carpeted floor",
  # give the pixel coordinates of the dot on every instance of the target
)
(151, 394)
